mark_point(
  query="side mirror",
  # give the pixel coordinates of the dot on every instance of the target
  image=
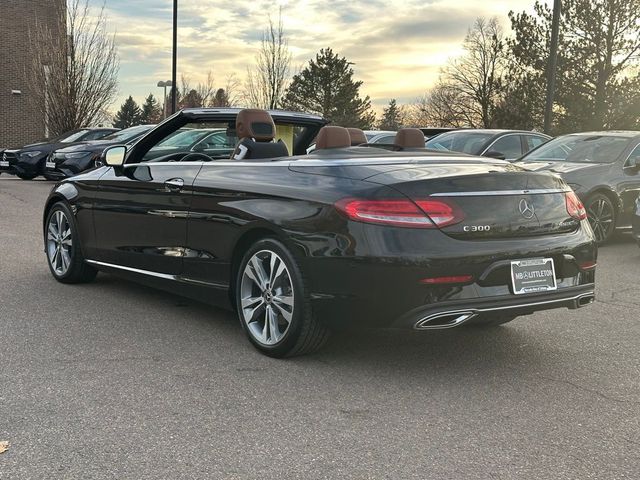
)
(495, 154)
(114, 156)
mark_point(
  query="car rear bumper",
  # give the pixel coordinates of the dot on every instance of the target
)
(395, 290)
(467, 312)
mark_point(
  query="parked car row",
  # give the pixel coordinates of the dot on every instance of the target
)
(602, 167)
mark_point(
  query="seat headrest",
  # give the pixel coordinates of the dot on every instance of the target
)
(255, 123)
(333, 137)
(409, 138)
(357, 136)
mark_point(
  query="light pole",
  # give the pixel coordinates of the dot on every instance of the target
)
(175, 54)
(553, 62)
(164, 85)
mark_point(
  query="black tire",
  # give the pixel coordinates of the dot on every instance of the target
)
(25, 176)
(304, 332)
(602, 215)
(78, 271)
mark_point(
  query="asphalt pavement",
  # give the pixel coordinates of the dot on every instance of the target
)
(112, 380)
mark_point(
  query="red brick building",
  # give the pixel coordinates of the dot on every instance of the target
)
(20, 121)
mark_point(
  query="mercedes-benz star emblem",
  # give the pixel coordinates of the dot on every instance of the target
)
(526, 209)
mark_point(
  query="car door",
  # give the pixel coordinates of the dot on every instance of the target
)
(532, 141)
(509, 145)
(140, 215)
(628, 186)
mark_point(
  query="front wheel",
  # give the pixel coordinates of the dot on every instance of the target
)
(62, 245)
(273, 303)
(602, 216)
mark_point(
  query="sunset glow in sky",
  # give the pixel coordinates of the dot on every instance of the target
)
(398, 46)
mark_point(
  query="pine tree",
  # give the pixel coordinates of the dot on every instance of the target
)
(151, 110)
(326, 87)
(391, 117)
(129, 114)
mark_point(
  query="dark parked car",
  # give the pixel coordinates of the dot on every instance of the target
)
(28, 162)
(213, 141)
(636, 221)
(69, 161)
(348, 235)
(503, 144)
(603, 168)
(430, 132)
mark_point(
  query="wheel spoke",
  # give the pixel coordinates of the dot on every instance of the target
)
(265, 327)
(286, 314)
(53, 232)
(66, 259)
(54, 259)
(259, 277)
(273, 325)
(253, 304)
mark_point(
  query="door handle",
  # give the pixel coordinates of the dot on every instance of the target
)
(174, 184)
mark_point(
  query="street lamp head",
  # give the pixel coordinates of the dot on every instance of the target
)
(162, 84)
(169, 83)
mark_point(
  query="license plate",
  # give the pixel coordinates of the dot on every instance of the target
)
(4, 163)
(51, 165)
(533, 275)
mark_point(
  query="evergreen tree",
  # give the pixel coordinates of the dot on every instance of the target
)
(326, 87)
(129, 114)
(597, 82)
(391, 117)
(221, 99)
(151, 110)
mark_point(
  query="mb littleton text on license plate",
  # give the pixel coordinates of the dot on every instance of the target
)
(534, 275)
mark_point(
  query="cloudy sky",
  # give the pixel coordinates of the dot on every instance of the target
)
(397, 46)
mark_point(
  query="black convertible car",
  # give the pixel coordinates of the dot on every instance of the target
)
(29, 161)
(301, 244)
(603, 168)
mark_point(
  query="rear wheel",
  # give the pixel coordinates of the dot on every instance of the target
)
(66, 263)
(273, 303)
(602, 216)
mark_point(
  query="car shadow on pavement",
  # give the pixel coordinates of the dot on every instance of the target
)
(437, 352)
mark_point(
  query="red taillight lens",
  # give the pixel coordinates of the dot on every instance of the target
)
(401, 213)
(445, 280)
(440, 212)
(575, 208)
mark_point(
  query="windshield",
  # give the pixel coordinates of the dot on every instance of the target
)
(185, 138)
(128, 134)
(580, 148)
(462, 141)
(73, 136)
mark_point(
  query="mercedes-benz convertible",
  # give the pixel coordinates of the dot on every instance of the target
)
(304, 244)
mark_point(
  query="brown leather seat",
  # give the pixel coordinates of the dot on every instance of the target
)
(333, 137)
(409, 138)
(357, 136)
(256, 130)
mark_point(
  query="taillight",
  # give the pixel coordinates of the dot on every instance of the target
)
(445, 280)
(440, 212)
(575, 208)
(401, 213)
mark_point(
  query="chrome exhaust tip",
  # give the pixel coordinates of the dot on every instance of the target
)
(585, 300)
(438, 321)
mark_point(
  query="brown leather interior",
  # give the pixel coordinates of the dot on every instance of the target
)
(409, 138)
(333, 137)
(256, 124)
(357, 136)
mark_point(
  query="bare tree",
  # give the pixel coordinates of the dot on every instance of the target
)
(474, 79)
(442, 106)
(233, 90)
(72, 78)
(267, 79)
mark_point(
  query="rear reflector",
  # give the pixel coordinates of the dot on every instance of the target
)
(575, 208)
(401, 213)
(444, 280)
(587, 265)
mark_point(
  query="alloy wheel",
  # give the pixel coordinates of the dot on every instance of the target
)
(601, 217)
(59, 243)
(266, 297)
